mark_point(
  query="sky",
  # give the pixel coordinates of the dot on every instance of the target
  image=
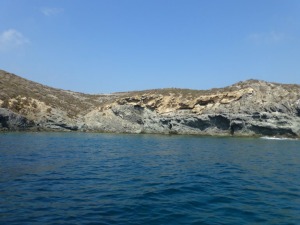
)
(105, 46)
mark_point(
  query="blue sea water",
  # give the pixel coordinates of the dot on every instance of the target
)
(84, 178)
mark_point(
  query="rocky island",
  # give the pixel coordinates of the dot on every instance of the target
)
(248, 108)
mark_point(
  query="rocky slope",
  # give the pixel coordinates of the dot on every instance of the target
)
(247, 108)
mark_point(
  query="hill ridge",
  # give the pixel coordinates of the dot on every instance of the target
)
(251, 107)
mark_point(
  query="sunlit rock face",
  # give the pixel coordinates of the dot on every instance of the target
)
(244, 109)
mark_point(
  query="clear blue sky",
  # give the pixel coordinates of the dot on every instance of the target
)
(103, 46)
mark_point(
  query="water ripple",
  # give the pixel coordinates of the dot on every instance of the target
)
(75, 178)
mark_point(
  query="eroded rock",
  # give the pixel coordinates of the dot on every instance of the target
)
(246, 108)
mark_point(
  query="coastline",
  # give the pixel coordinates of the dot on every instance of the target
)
(248, 108)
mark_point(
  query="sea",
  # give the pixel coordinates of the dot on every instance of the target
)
(92, 178)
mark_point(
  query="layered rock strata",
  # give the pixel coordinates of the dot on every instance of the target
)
(245, 109)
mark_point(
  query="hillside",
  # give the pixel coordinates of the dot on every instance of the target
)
(15, 87)
(246, 108)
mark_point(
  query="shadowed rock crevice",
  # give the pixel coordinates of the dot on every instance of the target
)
(236, 125)
(3, 121)
(267, 131)
(220, 121)
(197, 123)
(12, 121)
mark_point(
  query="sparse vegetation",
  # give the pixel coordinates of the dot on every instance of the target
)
(16, 92)
(5, 103)
(14, 87)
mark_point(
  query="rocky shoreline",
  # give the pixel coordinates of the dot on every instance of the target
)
(250, 108)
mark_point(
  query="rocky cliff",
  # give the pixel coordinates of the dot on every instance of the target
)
(246, 108)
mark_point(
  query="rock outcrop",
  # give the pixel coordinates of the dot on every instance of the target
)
(247, 108)
(11, 121)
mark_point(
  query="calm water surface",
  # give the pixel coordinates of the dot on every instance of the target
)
(80, 178)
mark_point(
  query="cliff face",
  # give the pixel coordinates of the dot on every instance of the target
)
(246, 108)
